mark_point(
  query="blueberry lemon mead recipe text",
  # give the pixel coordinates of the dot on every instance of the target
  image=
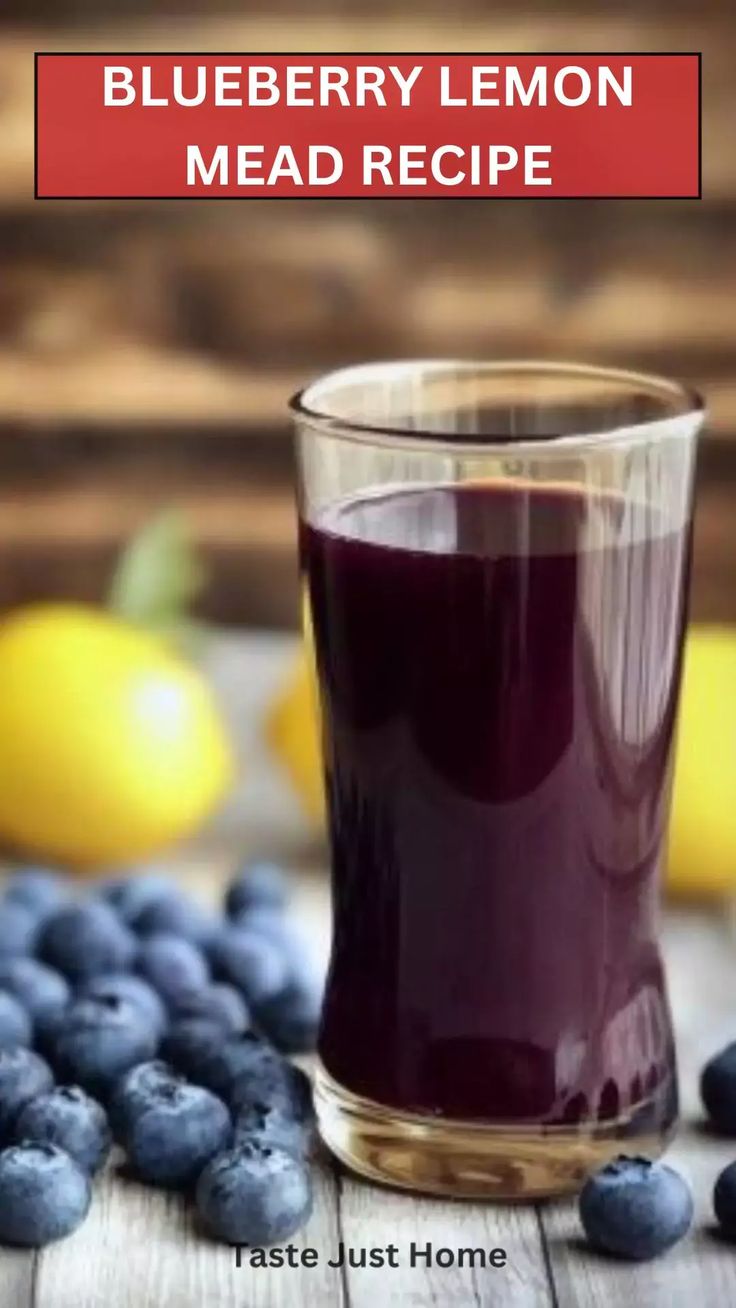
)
(437, 88)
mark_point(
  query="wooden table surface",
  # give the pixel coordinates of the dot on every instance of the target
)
(140, 1248)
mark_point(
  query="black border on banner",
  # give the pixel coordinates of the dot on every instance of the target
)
(378, 54)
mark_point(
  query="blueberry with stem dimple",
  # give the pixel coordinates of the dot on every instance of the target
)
(267, 1123)
(254, 1194)
(82, 940)
(635, 1208)
(138, 1089)
(23, 1076)
(126, 985)
(68, 1117)
(44, 1194)
(99, 1040)
(172, 1139)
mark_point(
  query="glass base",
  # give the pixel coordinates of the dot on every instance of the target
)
(470, 1160)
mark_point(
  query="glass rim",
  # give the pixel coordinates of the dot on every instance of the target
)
(686, 406)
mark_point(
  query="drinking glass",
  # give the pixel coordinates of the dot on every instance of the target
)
(495, 560)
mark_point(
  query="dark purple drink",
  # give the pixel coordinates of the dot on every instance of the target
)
(498, 687)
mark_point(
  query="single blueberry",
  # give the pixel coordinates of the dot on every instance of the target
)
(71, 1119)
(273, 1081)
(44, 1194)
(125, 985)
(718, 1089)
(272, 1124)
(258, 885)
(249, 961)
(219, 1002)
(137, 1090)
(38, 889)
(23, 1075)
(130, 895)
(99, 1040)
(223, 1062)
(172, 965)
(19, 929)
(42, 991)
(177, 915)
(290, 1018)
(15, 1024)
(190, 1042)
(81, 940)
(254, 1194)
(724, 1201)
(635, 1208)
(170, 1141)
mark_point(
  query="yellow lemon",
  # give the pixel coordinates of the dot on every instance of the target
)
(702, 853)
(293, 732)
(111, 746)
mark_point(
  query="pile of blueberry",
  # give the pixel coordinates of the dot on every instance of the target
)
(136, 1015)
(636, 1208)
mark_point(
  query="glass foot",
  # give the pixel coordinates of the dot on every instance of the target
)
(471, 1160)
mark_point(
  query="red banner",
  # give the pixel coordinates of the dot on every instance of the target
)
(367, 125)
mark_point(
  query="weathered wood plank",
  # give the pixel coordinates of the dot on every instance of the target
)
(374, 1218)
(140, 1248)
(17, 1275)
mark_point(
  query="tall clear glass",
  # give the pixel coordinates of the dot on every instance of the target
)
(496, 562)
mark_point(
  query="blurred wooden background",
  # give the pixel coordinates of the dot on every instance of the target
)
(147, 351)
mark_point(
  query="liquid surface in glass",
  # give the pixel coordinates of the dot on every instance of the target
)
(498, 666)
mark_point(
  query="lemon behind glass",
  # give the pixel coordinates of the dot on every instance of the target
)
(702, 850)
(111, 746)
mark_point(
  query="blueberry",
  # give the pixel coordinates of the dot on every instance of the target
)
(99, 1040)
(131, 895)
(84, 939)
(15, 1024)
(23, 1075)
(18, 930)
(172, 965)
(38, 889)
(290, 1018)
(137, 1090)
(258, 885)
(124, 985)
(273, 1081)
(42, 991)
(222, 1063)
(220, 1003)
(170, 1141)
(44, 1194)
(271, 1124)
(249, 961)
(177, 915)
(71, 1119)
(724, 1201)
(635, 1208)
(718, 1089)
(254, 1194)
(189, 1042)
